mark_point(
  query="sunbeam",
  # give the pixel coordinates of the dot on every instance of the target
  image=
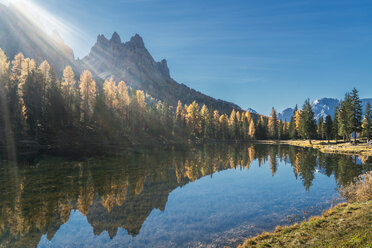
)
(50, 26)
(39, 16)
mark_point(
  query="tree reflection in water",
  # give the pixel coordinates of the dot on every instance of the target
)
(121, 191)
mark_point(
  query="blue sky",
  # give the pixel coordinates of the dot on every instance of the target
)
(257, 54)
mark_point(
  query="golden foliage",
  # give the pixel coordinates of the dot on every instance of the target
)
(179, 114)
(17, 67)
(360, 190)
(4, 65)
(298, 120)
(68, 86)
(252, 130)
(109, 92)
(44, 69)
(88, 93)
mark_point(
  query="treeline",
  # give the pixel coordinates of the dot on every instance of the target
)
(349, 120)
(37, 104)
(203, 123)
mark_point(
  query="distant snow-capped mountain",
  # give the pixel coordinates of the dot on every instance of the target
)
(321, 107)
(286, 114)
(324, 107)
(252, 110)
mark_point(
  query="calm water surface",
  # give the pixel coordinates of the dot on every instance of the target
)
(213, 196)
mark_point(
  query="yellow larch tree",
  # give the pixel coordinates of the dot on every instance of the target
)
(252, 130)
(109, 93)
(122, 100)
(68, 88)
(44, 70)
(88, 94)
(298, 120)
(27, 67)
(179, 116)
(17, 67)
(193, 118)
(141, 99)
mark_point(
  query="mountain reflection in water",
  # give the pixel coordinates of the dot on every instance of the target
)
(121, 191)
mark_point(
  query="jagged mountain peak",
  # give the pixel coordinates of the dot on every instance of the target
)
(163, 67)
(321, 107)
(286, 114)
(101, 39)
(252, 110)
(115, 38)
(137, 41)
(133, 63)
(325, 100)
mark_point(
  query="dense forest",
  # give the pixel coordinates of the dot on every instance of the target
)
(39, 105)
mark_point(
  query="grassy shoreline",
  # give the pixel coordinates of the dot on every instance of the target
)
(346, 225)
(362, 149)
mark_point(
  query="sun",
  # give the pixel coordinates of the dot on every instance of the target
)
(37, 15)
(15, 2)
(5, 2)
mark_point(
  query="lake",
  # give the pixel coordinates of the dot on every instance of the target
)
(209, 196)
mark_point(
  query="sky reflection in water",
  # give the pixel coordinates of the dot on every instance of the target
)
(214, 195)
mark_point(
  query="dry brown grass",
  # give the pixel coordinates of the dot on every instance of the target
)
(362, 148)
(360, 190)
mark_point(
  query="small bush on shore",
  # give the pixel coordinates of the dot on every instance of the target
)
(360, 190)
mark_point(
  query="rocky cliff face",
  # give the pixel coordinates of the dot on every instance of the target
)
(132, 62)
(19, 34)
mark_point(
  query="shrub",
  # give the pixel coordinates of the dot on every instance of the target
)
(360, 190)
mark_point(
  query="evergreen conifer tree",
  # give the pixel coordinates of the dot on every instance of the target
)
(367, 122)
(335, 124)
(328, 128)
(346, 117)
(273, 125)
(307, 122)
(357, 113)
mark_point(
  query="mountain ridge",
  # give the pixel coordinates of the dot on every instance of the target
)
(132, 62)
(321, 107)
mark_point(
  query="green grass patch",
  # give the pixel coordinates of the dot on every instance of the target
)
(346, 225)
